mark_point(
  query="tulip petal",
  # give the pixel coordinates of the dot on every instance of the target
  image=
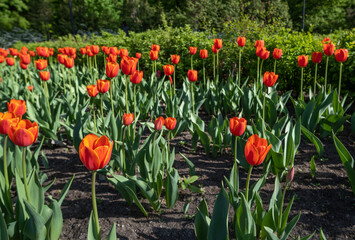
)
(89, 158)
(102, 141)
(102, 153)
(251, 154)
(23, 137)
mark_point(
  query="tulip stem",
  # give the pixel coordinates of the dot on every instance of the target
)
(341, 68)
(248, 180)
(301, 92)
(93, 112)
(282, 205)
(261, 73)
(102, 114)
(257, 72)
(326, 73)
(70, 84)
(63, 72)
(275, 66)
(192, 97)
(169, 141)
(29, 76)
(126, 91)
(12, 74)
(94, 205)
(204, 74)
(192, 66)
(47, 96)
(315, 79)
(24, 172)
(235, 150)
(155, 63)
(138, 65)
(174, 78)
(239, 66)
(264, 106)
(113, 112)
(7, 186)
(134, 100)
(214, 67)
(217, 65)
(123, 167)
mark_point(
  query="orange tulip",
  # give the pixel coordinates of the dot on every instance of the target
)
(138, 55)
(214, 49)
(256, 150)
(23, 66)
(68, 62)
(302, 61)
(42, 51)
(13, 52)
(326, 40)
(341, 55)
(128, 65)
(328, 48)
(159, 123)
(262, 53)
(18, 107)
(6, 120)
(95, 152)
(3, 52)
(175, 59)
(112, 69)
(114, 51)
(237, 126)
(241, 41)
(24, 133)
(192, 75)
(25, 58)
(155, 47)
(123, 52)
(104, 49)
(44, 75)
(203, 53)
(89, 52)
(24, 50)
(10, 61)
(136, 77)
(103, 85)
(170, 123)
(32, 53)
(61, 58)
(92, 90)
(193, 50)
(218, 43)
(30, 88)
(95, 49)
(270, 78)
(127, 119)
(83, 51)
(41, 64)
(259, 43)
(153, 55)
(168, 69)
(111, 58)
(277, 53)
(2, 58)
(317, 57)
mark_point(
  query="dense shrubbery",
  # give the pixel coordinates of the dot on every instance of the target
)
(178, 40)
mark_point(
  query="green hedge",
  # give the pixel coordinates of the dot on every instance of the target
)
(178, 40)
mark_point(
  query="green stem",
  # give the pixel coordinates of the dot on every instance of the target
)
(7, 185)
(70, 83)
(214, 67)
(264, 106)
(282, 205)
(315, 80)
(126, 91)
(239, 66)
(261, 73)
(217, 66)
(248, 180)
(12, 74)
(155, 65)
(102, 114)
(301, 92)
(138, 66)
(275, 66)
(192, 66)
(63, 71)
(29, 76)
(257, 72)
(134, 100)
(113, 112)
(24, 172)
(174, 79)
(204, 74)
(169, 141)
(93, 112)
(94, 205)
(326, 73)
(235, 150)
(192, 97)
(47, 95)
(341, 68)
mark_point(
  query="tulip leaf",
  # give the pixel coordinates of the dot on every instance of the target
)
(172, 187)
(218, 229)
(92, 231)
(270, 233)
(34, 228)
(244, 224)
(112, 233)
(322, 236)
(202, 221)
(290, 226)
(190, 164)
(3, 229)
(56, 223)
(65, 190)
(313, 167)
(317, 143)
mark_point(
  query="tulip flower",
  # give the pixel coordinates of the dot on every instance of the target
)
(159, 123)
(123, 52)
(255, 151)
(103, 85)
(2, 58)
(10, 61)
(135, 78)
(13, 52)
(105, 49)
(18, 107)
(155, 47)
(259, 43)
(154, 56)
(290, 174)
(170, 124)
(23, 66)
(277, 53)
(175, 59)
(92, 90)
(44, 75)
(192, 76)
(204, 55)
(95, 49)
(270, 78)
(168, 69)
(25, 58)
(193, 51)
(316, 58)
(61, 58)
(128, 65)
(95, 153)
(302, 62)
(241, 41)
(112, 69)
(41, 64)
(68, 62)
(83, 51)
(328, 48)
(127, 119)
(111, 58)
(341, 55)
(217, 43)
(138, 55)
(30, 88)
(237, 126)
(32, 53)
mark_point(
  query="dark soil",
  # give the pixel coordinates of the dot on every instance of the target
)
(325, 201)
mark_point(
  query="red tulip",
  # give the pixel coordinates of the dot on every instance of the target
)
(136, 77)
(192, 75)
(328, 48)
(44, 75)
(153, 55)
(13, 52)
(127, 119)
(95, 49)
(237, 126)
(317, 57)
(138, 55)
(104, 49)
(193, 50)
(92, 90)
(61, 58)
(24, 133)
(114, 51)
(89, 52)
(32, 53)
(24, 50)
(203, 53)
(214, 49)
(95, 152)
(128, 65)
(18, 107)
(175, 59)
(259, 43)
(41, 64)
(241, 41)
(270, 78)
(302, 61)
(25, 58)
(111, 58)
(218, 43)
(159, 123)
(6, 120)
(168, 69)
(277, 53)
(155, 47)
(23, 66)
(123, 52)
(103, 85)
(341, 55)
(30, 88)
(256, 150)
(10, 61)
(83, 51)
(2, 59)
(68, 62)
(112, 69)
(170, 123)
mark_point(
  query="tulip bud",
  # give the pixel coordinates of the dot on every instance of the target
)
(170, 123)
(241, 41)
(193, 50)
(159, 123)
(203, 53)
(192, 75)
(290, 174)
(127, 119)
(175, 59)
